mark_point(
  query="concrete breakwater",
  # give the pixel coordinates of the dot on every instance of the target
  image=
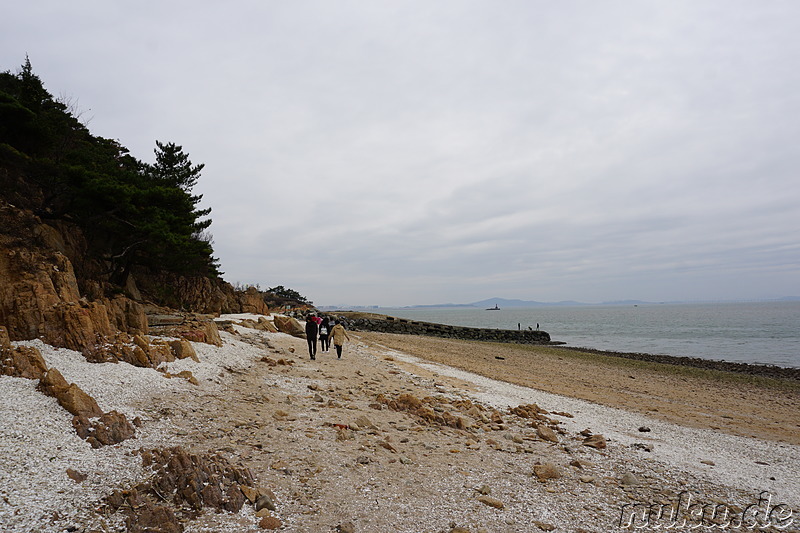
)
(390, 324)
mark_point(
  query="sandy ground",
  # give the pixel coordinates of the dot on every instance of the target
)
(730, 403)
(322, 436)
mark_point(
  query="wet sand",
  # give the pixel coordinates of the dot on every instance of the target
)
(732, 403)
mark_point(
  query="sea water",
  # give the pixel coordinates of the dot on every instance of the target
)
(752, 332)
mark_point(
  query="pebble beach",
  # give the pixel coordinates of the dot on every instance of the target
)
(415, 434)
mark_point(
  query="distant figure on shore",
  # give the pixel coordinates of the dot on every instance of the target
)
(311, 336)
(537, 326)
(519, 326)
(325, 344)
(338, 335)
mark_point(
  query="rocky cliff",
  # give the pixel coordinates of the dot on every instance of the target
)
(51, 288)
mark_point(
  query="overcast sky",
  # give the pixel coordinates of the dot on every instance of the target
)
(419, 152)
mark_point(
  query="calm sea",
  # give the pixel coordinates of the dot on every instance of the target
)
(764, 332)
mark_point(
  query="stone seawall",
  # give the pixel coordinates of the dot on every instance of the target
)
(390, 324)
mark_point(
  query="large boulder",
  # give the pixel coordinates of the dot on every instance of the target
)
(199, 330)
(69, 395)
(52, 383)
(287, 324)
(78, 403)
(252, 301)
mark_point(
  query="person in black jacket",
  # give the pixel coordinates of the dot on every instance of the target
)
(311, 336)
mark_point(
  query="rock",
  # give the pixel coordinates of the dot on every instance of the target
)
(387, 445)
(709, 463)
(200, 330)
(149, 517)
(252, 301)
(290, 326)
(644, 429)
(109, 428)
(270, 522)
(544, 526)
(363, 422)
(193, 481)
(52, 383)
(491, 502)
(188, 376)
(546, 471)
(642, 446)
(484, 489)
(530, 411)
(595, 441)
(77, 477)
(112, 428)
(78, 403)
(580, 463)
(265, 502)
(182, 349)
(346, 527)
(5, 341)
(586, 479)
(629, 479)
(251, 493)
(343, 434)
(545, 433)
(266, 325)
(22, 361)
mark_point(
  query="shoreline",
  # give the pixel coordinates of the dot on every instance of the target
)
(376, 322)
(728, 402)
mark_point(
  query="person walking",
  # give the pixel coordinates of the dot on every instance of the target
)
(338, 335)
(311, 336)
(323, 336)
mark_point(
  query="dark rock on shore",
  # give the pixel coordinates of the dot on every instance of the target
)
(390, 324)
(768, 371)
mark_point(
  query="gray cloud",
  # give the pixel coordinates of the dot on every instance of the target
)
(416, 152)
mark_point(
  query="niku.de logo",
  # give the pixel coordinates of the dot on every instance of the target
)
(686, 513)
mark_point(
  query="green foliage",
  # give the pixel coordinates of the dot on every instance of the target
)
(133, 213)
(288, 294)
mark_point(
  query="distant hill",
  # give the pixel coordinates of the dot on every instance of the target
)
(504, 302)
